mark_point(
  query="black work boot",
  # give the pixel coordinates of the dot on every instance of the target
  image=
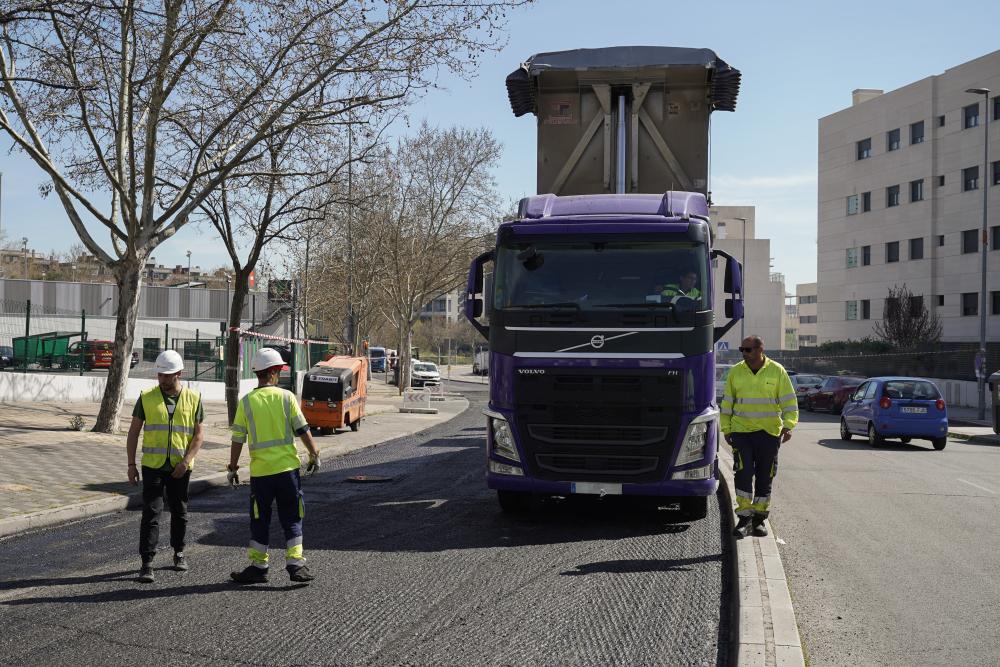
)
(759, 529)
(251, 574)
(299, 573)
(146, 573)
(742, 528)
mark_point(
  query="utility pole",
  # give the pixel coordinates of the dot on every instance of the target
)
(351, 333)
(24, 249)
(984, 247)
(743, 273)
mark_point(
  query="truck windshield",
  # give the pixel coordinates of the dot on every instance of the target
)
(601, 274)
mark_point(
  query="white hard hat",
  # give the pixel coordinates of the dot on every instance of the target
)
(266, 357)
(169, 362)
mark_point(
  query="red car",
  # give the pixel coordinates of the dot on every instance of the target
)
(833, 393)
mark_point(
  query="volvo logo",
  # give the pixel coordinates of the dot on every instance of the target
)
(597, 342)
(531, 371)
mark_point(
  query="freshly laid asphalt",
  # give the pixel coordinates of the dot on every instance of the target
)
(422, 569)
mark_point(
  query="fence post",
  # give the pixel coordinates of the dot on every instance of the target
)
(196, 353)
(83, 334)
(166, 336)
(27, 334)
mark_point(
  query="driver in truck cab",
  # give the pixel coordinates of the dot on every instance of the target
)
(685, 285)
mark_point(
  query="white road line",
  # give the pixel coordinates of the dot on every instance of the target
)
(982, 488)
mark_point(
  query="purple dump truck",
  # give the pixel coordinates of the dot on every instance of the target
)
(598, 301)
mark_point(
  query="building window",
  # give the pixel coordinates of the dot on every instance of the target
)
(940, 299)
(940, 240)
(892, 140)
(852, 257)
(917, 132)
(807, 299)
(866, 202)
(940, 121)
(970, 178)
(852, 310)
(916, 306)
(970, 114)
(995, 303)
(917, 190)
(852, 205)
(892, 196)
(864, 148)
(996, 108)
(866, 309)
(892, 252)
(995, 238)
(996, 173)
(941, 181)
(807, 319)
(970, 241)
(917, 248)
(970, 303)
(866, 255)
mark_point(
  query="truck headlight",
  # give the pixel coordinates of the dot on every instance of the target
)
(696, 437)
(505, 469)
(503, 439)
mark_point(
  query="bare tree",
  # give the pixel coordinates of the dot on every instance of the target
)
(121, 103)
(906, 322)
(439, 197)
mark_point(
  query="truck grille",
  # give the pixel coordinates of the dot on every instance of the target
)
(597, 435)
(589, 465)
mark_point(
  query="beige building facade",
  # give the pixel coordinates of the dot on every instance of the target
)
(900, 201)
(763, 289)
(808, 321)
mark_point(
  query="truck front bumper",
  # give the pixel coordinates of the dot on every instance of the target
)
(677, 488)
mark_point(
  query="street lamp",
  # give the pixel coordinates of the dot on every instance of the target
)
(743, 289)
(24, 249)
(984, 242)
(189, 270)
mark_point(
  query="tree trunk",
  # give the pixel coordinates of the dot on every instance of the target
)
(240, 291)
(128, 277)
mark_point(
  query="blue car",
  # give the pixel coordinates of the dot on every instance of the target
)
(896, 407)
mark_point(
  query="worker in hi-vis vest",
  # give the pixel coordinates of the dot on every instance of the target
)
(267, 420)
(170, 418)
(758, 412)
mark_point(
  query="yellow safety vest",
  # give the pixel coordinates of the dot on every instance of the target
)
(761, 401)
(266, 419)
(163, 434)
(675, 290)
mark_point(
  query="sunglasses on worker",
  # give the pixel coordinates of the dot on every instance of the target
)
(747, 350)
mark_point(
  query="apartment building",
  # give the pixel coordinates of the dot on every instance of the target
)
(763, 289)
(901, 180)
(808, 322)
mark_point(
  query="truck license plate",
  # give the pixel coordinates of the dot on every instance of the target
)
(913, 411)
(597, 488)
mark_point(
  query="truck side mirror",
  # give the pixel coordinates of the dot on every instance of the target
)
(475, 298)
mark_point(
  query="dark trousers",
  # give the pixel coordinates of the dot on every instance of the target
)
(285, 490)
(755, 463)
(157, 485)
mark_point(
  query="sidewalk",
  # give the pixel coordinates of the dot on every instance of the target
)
(963, 423)
(51, 473)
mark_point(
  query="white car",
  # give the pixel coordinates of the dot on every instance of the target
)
(425, 373)
(721, 372)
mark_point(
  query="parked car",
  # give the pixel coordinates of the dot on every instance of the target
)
(90, 354)
(806, 385)
(835, 391)
(6, 356)
(896, 407)
(721, 373)
(425, 374)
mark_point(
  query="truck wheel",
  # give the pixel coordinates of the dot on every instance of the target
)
(695, 508)
(327, 430)
(939, 443)
(356, 424)
(514, 502)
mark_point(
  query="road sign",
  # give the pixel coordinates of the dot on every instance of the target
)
(722, 345)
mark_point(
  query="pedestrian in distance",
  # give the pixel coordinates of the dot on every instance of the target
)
(759, 411)
(170, 418)
(267, 420)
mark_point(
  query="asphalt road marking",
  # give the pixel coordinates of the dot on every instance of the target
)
(434, 503)
(983, 488)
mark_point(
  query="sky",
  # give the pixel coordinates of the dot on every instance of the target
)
(800, 61)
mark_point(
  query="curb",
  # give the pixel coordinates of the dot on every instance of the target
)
(89, 508)
(767, 633)
(978, 439)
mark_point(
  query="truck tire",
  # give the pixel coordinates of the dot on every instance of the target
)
(694, 508)
(514, 502)
(356, 424)
(327, 430)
